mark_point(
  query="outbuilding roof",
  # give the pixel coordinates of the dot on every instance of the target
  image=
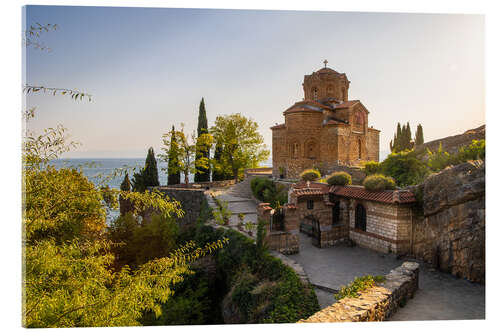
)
(387, 196)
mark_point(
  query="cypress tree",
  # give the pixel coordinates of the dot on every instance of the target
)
(408, 136)
(148, 176)
(125, 205)
(419, 136)
(398, 141)
(125, 185)
(174, 174)
(151, 170)
(218, 175)
(202, 129)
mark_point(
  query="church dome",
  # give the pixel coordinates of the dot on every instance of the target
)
(327, 70)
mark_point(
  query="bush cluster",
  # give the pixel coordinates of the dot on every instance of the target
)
(371, 167)
(341, 178)
(379, 182)
(441, 159)
(265, 190)
(261, 288)
(310, 175)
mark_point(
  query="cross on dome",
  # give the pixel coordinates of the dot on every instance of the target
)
(325, 62)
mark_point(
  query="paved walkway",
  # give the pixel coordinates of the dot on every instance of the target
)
(240, 201)
(440, 296)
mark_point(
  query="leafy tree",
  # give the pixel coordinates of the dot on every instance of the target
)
(174, 175)
(142, 242)
(203, 174)
(187, 145)
(419, 136)
(243, 146)
(217, 170)
(68, 274)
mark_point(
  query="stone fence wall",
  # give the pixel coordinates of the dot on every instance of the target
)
(203, 185)
(191, 200)
(374, 304)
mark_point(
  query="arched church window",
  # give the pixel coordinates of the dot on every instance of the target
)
(360, 218)
(359, 119)
(295, 150)
(311, 150)
(315, 93)
(343, 94)
(329, 89)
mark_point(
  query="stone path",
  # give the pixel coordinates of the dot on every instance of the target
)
(440, 296)
(240, 201)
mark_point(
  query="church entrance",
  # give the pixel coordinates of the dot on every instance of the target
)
(316, 233)
(311, 227)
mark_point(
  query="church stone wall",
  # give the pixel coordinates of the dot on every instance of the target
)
(373, 145)
(387, 226)
(312, 138)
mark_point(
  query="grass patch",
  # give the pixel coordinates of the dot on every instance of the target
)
(359, 284)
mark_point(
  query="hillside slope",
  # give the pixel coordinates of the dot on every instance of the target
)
(452, 144)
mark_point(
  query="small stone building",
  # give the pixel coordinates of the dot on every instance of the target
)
(324, 130)
(331, 214)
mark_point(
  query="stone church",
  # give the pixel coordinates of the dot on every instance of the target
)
(325, 130)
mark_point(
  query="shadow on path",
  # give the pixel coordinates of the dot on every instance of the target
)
(440, 296)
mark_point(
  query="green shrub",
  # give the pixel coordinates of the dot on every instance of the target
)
(371, 167)
(439, 159)
(379, 183)
(359, 284)
(405, 168)
(310, 175)
(339, 178)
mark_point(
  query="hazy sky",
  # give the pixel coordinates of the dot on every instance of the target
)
(147, 70)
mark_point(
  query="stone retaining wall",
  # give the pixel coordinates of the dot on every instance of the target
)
(375, 304)
(191, 200)
(451, 233)
(203, 185)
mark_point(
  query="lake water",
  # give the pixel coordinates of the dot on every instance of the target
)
(111, 170)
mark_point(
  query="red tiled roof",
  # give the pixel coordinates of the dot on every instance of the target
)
(314, 189)
(302, 106)
(290, 206)
(388, 196)
(309, 192)
(302, 184)
(346, 104)
(278, 126)
(334, 122)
